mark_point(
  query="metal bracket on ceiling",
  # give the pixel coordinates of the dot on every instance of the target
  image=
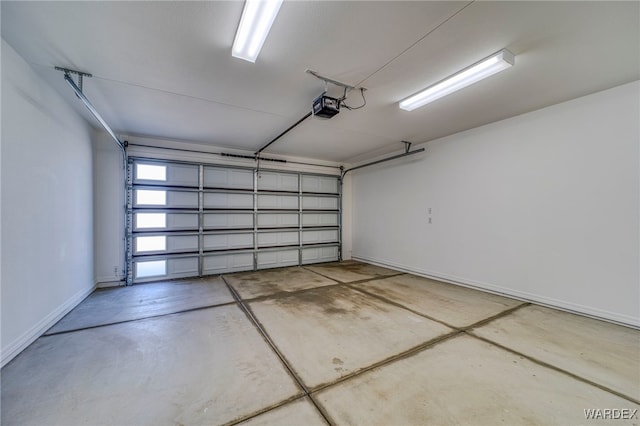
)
(328, 80)
(407, 146)
(80, 75)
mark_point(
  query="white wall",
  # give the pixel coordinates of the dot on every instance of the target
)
(108, 188)
(46, 181)
(108, 211)
(543, 206)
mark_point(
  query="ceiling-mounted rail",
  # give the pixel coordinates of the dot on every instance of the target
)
(383, 160)
(326, 80)
(307, 115)
(87, 103)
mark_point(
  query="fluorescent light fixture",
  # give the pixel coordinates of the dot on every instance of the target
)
(472, 74)
(255, 23)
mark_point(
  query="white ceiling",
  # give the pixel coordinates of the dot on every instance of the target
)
(164, 69)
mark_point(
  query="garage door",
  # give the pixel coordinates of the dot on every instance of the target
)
(188, 219)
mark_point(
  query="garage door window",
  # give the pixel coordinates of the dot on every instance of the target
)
(153, 197)
(151, 172)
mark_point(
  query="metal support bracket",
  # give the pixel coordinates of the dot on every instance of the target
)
(329, 80)
(80, 75)
(407, 146)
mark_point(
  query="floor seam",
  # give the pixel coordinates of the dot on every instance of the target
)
(499, 315)
(553, 367)
(199, 308)
(254, 320)
(399, 305)
(265, 410)
(282, 294)
(460, 328)
(397, 357)
(364, 280)
(322, 275)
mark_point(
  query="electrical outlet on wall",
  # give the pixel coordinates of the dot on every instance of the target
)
(115, 271)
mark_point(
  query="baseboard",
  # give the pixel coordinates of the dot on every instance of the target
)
(28, 337)
(109, 283)
(589, 311)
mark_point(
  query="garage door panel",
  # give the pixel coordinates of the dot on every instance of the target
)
(319, 203)
(182, 243)
(273, 181)
(227, 201)
(164, 221)
(319, 254)
(319, 237)
(226, 263)
(168, 268)
(182, 199)
(220, 177)
(280, 202)
(320, 184)
(278, 220)
(156, 244)
(228, 220)
(227, 241)
(272, 239)
(277, 259)
(319, 219)
(149, 197)
(149, 173)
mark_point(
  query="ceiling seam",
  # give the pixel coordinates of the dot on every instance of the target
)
(414, 44)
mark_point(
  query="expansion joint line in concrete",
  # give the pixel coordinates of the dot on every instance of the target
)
(399, 305)
(405, 354)
(249, 313)
(494, 317)
(183, 311)
(555, 368)
(284, 293)
(379, 277)
(413, 311)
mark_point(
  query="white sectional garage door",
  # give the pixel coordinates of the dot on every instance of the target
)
(187, 219)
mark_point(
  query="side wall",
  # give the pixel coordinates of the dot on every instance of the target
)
(543, 206)
(47, 206)
(108, 187)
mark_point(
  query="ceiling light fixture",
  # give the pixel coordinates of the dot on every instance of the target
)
(482, 69)
(255, 23)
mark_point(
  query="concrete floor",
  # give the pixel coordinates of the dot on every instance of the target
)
(348, 343)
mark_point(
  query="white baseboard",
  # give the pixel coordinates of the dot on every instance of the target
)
(28, 337)
(589, 311)
(109, 283)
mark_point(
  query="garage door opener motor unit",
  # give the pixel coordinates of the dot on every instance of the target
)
(326, 106)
